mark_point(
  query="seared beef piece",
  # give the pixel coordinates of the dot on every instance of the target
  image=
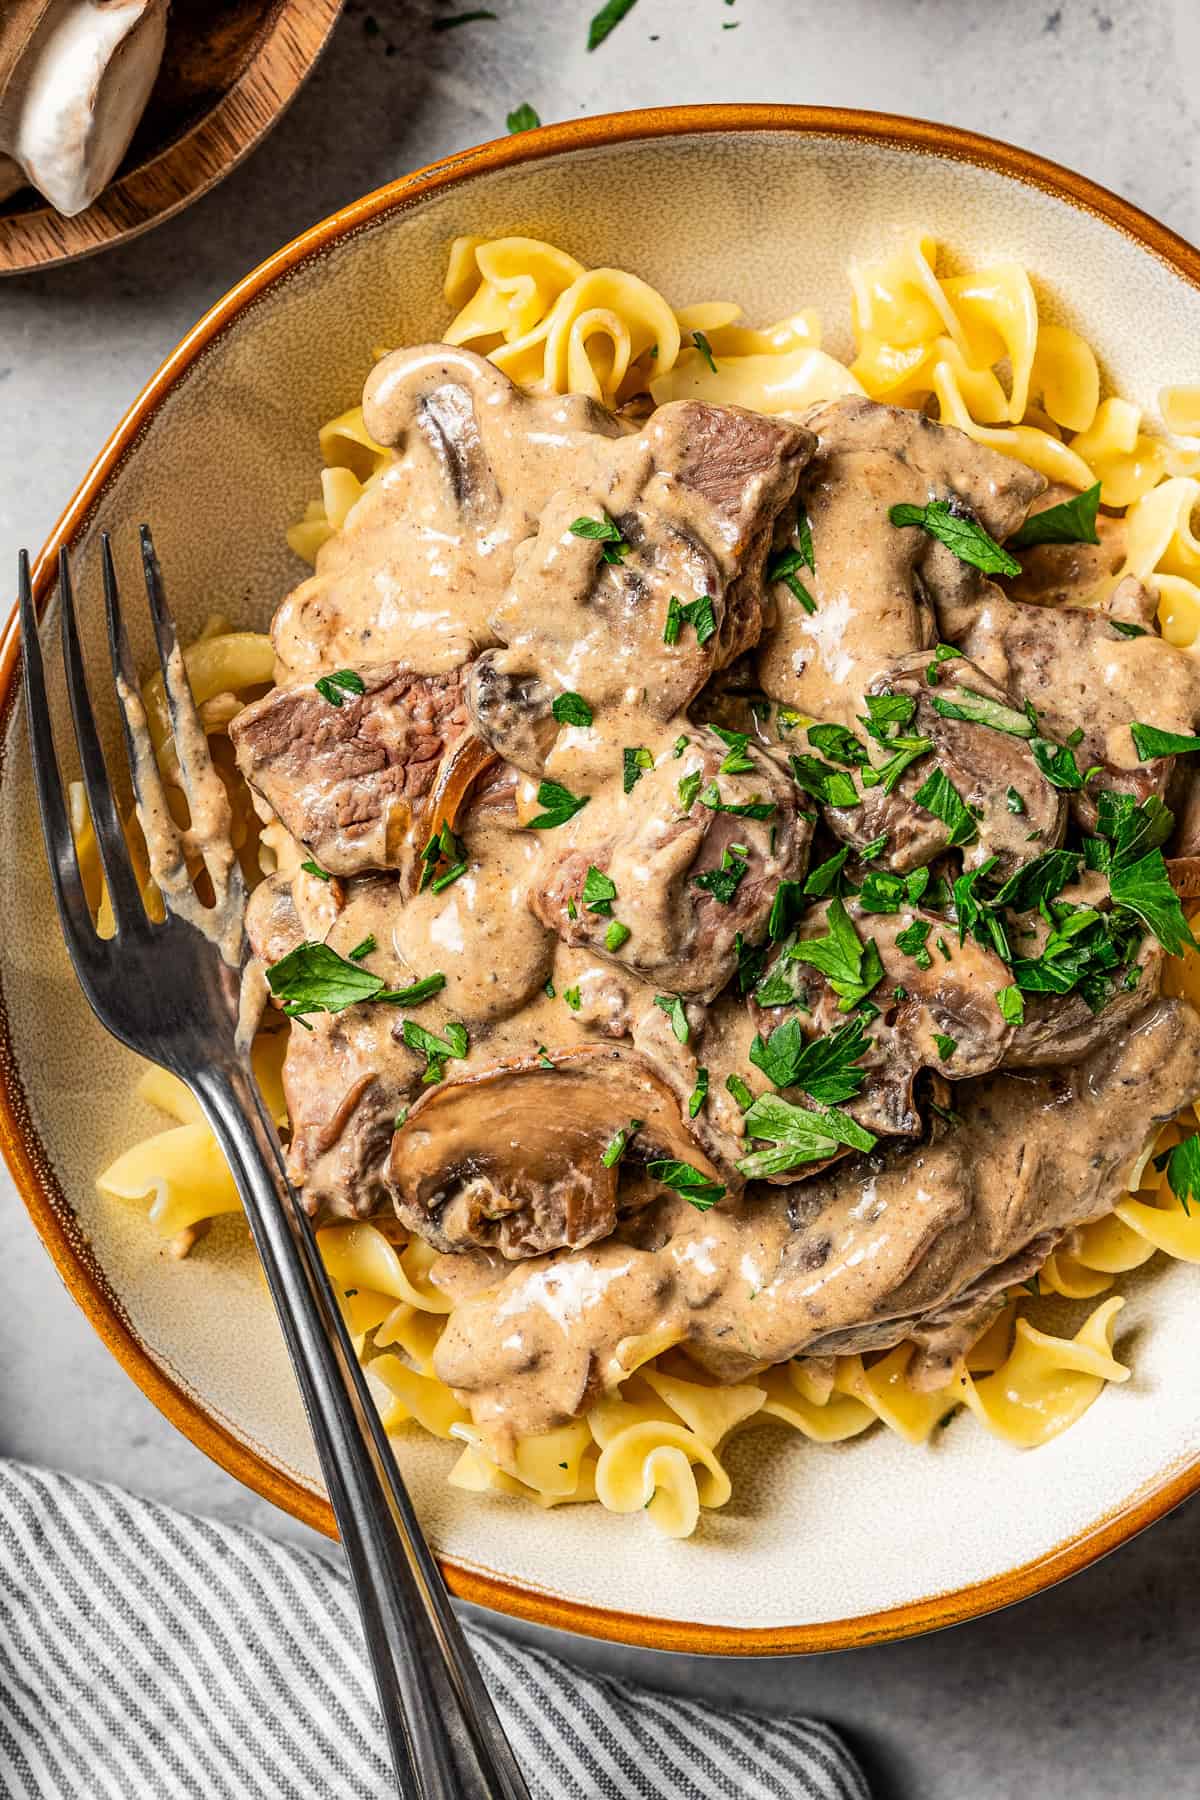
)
(1082, 673)
(695, 497)
(872, 1252)
(985, 766)
(427, 550)
(344, 1086)
(689, 878)
(359, 784)
(954, 997)
(1065, 574)
(513, 1157)
(874, 584)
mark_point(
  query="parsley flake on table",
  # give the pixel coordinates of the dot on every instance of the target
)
(522, 118)
(962, 535)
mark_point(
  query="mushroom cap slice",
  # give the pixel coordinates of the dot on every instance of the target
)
(512, 1156)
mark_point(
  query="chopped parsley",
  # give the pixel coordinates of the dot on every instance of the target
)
(335, 687)
(522, 118)
(751, 960)
(783, 567)
(822, 1066)
(635, 760)
(832, 787)
(571, 709)
(698, 613)
(692, 1183)
(1150, 742)
(824, 879)
(680, 745)
(1038, 881)
(1144, 889)
(851, 967)
(1072, 522)
(444, 846)
(962, 535)
(882, 892)
(1057, 763)
(739, 1089)
(978, 709)
(942, 653)
(606, 20)
(363, 949)
(689, 787)
(723, 883)
(1011, 1002)
(599, 892)
(616, 935)
(672, 1005)
(705, 348)
(1183, 1172)
(572, 997)
(604, 532)
(737, 762)
(911, 942)
(710, 796)
(616, 1146)
(314, 978)
(560, 804)
(699, 1093)
(1014, 801)
(1127, 629)
(837, 742)
(314, 868)
(798, 1136)
(946, 1046)
(451, 21)
(939, 796)
(437, 1051)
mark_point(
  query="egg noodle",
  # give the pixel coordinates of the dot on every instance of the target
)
(972, 351)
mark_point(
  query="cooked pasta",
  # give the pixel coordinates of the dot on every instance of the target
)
(972, 350)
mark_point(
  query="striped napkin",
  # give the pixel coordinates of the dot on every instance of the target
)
(149, 1655)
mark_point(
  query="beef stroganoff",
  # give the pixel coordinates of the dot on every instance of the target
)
(718, 818)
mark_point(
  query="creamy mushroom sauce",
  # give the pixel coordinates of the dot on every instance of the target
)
(462, 605)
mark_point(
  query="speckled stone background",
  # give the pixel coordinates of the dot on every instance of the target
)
(1088, 1691)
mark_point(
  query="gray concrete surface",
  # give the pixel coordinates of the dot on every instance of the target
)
(1089, 1691)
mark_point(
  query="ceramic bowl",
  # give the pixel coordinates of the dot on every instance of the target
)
(820, 1547)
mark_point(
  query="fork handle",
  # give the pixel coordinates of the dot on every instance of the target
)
(446, 1741)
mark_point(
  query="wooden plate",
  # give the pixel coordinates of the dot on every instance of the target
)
(227, 75)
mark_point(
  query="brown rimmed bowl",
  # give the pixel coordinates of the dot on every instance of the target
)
(820, 1548)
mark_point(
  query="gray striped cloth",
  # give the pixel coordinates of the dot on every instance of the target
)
(149, 1655)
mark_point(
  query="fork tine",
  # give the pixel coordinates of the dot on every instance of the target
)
(154, 813)
(123, 890)
(202, 786)
(56, 829)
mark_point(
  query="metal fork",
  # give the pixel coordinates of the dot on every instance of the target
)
(169, 993)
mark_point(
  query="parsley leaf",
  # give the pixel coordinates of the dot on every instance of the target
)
(1037, 882)
(602, 531)
(672, 1005)
(1057, 763)
(453, 20)
(799, 1135)
(363, 949)
(1144, 889)
(946, 1046)
(335, 687)
(820, 881)
(962, 535)
(851, 967)
(635, 760)
(939, 796)
(616, 935)
(1150, 742)
(1014, 801)
(942, 653)
(444, 846)
(560, 803)
(689, 787)
(705, 348)
(617, 1145)
(723, 883)
(1183, 1172)
(978, 709)
(314, 868)
(436, 1050)
(751, 960)
(697, 613)
(314, 978)
(522, 118)
(599, 891)
(832, 787)
(571, 709)
(822, 1066)
(572, 998)
(783, 567)
(840, 744)
(692, 1183)
(1011, 1002)
(1072, 522)
(911, 942)
(888, 709)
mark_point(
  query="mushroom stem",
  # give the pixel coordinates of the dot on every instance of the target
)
(75, 89)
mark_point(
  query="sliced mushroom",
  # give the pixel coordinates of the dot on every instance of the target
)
(511, 712)
(690, 874)
(1068, 574)
(524, 1157)
(985, 765)
(953, 998)
(1060, 1029)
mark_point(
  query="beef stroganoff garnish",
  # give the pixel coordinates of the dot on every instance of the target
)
(721, 870)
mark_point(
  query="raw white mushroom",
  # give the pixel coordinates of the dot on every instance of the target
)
(76, 92)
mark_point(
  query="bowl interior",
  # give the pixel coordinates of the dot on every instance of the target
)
(816, 1542)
